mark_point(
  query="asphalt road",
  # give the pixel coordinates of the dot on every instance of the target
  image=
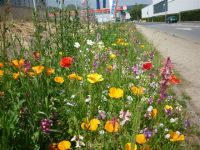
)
(188, 31)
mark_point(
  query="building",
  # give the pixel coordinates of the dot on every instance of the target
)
(167, 7)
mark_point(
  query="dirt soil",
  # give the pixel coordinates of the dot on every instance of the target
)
(185, 56)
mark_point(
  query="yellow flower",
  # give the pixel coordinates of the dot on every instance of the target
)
(168, 107)
(16, 75)
(176, 136)
(154, 113)
(142, 46)
(18, 63)
(72, 76)
(112, 126)
(61, 53)
(31, 74)
(137, 90)
(79, 78)
(59, 79)
(92, 125)
(109, 67)
(128, 146)
(140, 139)
(1, 72)
(112, 56)
(50, 71)
(38, 69)
(94, 78)
(120, 41)
(1, 65)
(64, 145)
(116, 92)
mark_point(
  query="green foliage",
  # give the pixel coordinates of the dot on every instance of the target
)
(31, 99)
(135, 12)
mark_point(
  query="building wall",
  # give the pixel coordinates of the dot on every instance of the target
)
(174, 6)
(147, 11)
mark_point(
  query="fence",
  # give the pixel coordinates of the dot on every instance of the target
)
(21, 9)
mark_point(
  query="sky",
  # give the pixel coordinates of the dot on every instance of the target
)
(93, 2)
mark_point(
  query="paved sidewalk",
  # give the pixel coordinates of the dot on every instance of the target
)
(186, 58)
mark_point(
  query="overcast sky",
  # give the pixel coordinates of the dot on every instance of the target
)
(93, 2)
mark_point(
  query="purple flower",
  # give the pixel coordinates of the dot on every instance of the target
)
(135, 69)
(168, 112)
(150, 100)
(27, 65)
(46, 124)
(186, 124)
(147, 133)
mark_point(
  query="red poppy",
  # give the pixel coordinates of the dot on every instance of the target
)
(174, 80)
(147, 66)
(66, 62)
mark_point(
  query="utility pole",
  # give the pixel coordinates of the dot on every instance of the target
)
(34, 5)
(179, 16)
(165, 10)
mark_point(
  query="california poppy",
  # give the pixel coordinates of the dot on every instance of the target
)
(147, 66)
(66, 62)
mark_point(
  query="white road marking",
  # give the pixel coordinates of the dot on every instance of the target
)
(186, 29)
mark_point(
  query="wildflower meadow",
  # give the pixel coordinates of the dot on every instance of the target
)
(92, 87)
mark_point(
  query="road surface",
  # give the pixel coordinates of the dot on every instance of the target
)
(180, 42)
(188, 31)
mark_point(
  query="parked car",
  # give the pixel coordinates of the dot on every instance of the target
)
(171, 19)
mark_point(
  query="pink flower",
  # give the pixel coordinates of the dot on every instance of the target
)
(125, 116)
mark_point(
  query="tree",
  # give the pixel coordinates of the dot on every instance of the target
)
(135, 12)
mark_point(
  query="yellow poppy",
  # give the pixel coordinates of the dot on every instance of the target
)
(128, 146)
(1, 72)
(64, 145)
(18, 63)
(31, 74)
(50, 71)
(79, 78)
(112, 126)
(176, 136)
(137, 90)
(141, 139)
(154, 113)
(94, 78)
(59, 79)
(16, 75)
(116, 92)
(72, 76)
(38, 69)
(92, 125)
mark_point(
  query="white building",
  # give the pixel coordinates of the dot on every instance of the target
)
(162, 7)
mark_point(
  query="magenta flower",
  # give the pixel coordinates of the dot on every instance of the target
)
(46, 124)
